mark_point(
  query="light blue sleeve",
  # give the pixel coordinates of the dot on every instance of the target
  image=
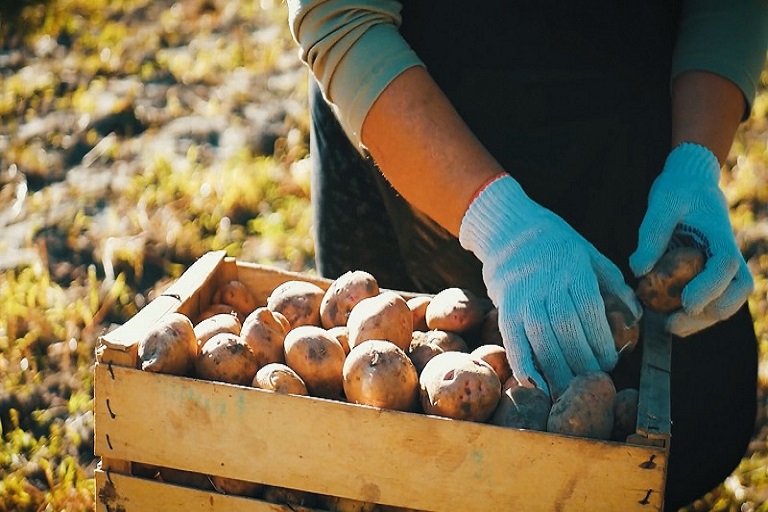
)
(726, 37)
(354, 50)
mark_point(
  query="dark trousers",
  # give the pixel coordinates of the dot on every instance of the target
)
(600, 188)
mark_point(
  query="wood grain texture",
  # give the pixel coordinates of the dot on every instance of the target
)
(365, 453)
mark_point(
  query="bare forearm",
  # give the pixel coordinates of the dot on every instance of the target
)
(424, 148)
(706, 109)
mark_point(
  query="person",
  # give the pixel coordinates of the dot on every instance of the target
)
(546, 154)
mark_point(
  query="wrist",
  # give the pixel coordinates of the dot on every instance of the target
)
(499, 206)
(694, 162)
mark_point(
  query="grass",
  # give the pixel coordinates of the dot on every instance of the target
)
(111, 184)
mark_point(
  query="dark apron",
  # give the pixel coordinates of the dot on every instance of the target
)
(572, 98)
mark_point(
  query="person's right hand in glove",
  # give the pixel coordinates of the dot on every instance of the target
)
(546, 281)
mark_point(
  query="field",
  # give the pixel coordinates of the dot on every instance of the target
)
(134, 137)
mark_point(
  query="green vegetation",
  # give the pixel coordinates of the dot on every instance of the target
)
(136, 136)
(105, 200)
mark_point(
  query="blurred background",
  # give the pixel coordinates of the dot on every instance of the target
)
(137, 135)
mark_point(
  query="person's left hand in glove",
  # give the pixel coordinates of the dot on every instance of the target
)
(686, 203)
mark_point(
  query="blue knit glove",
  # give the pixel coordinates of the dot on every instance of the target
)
(686, 206)
(546, 281)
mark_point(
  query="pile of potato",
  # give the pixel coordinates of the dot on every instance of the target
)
(440, 355)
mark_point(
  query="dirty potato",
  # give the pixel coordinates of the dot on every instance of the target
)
(448, 341)
(420, 351)
(343, 294)
(218, 309)
(185, 478)
(299, 301)
(215, 324)
(341, 333)
(169, 346)
(383, 317)
(456, 310)
(495, 356)
(265, 335)
(294, 498)
(585, 409)
(226, 357)
(661, 288)
(280, 378)
(418, 306)
(380, 374)
(339, 504)
(625, 414)
(625, 329)
(459, 386)
(489, 330)
(522, 407)
(236, 294)
(318, 358)
(235, 486)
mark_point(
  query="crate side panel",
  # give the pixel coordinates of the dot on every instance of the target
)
(654, 408)
(184, 295)
(130, 494)
(365, 453)
(262, 279)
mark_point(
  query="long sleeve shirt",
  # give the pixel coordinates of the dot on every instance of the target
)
(354, 48)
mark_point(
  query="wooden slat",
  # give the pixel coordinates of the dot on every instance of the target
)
(654, 414)
(130, 494)
(364, 453)
(262, 279)
(120, 345)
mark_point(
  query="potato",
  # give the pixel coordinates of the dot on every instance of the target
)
(236, 294)
(317, 358)
(217, 309)
(446, 340)
(343, 294)
(169, 346)
(418, 306)
(284, 321)
(495, 356)
(339, 504)
(234, 486)
(291, 497)
(383, 317)
(380, 374)
(456, 310)
(280, 378)
(143, 470)
(185, 478)
(265, 335)
(421, 351)
(341, 333)
(459, 386)
(661, 288)
(220, 322)
(585, 409)
(522, 407)
(624, 327)
(226, 357)
(298, 301)
(489, 330)
(625, 414)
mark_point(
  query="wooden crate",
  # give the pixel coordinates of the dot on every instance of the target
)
(334, 448)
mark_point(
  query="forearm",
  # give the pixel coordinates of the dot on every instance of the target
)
(425, 149)
(707, 110)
